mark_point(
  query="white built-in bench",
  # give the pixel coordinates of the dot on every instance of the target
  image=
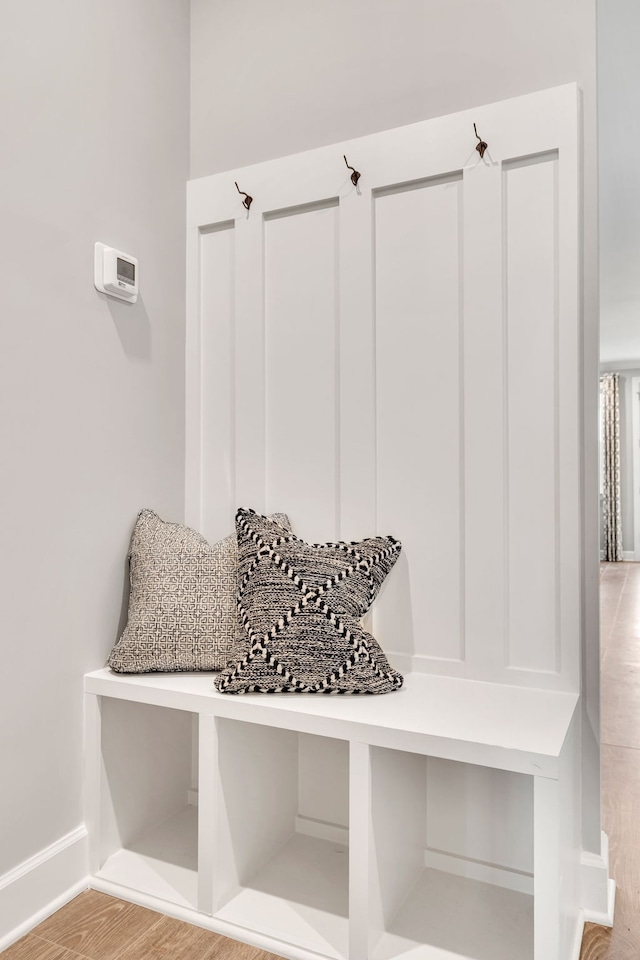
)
(193, 809)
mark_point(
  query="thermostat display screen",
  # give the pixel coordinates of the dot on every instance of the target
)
(126, 271)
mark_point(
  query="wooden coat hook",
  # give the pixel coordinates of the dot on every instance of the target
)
(355, 176)
(246, 203)
(482, 145)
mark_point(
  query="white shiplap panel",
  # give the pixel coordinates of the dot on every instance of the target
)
(484, 423)
(250, 362)
(531, 251)
(356, 482)
(301, 368)
(357, 368)
(217, 397)
(418, 312)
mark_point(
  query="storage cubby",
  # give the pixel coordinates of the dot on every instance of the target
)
(148, 820)
(282, 861)
(451, 860)
(345, 828)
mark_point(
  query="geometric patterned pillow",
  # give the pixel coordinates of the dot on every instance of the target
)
(300, 606)
(182, 607)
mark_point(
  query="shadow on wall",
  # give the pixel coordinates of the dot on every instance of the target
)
(133, 326)
(124, 609)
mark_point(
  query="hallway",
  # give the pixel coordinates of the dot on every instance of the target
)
(620, 652)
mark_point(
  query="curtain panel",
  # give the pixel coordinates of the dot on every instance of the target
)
(612, 511)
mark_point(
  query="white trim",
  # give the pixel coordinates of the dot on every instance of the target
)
(322, 830)
(39, 886)
(629, 555)
(11, 876)
(477, 870)
(604, 919)
(597, 891)
(577, 943)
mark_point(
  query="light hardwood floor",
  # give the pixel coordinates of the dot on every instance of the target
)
(97, 927)
(620, 678)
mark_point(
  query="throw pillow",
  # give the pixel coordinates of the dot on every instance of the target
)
(300, 605)
(182, 607)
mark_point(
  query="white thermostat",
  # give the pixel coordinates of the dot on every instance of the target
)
(115, 273)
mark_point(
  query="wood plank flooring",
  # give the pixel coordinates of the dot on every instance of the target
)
(620, 643)
(97, 927)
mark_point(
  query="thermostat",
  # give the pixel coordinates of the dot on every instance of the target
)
(115, 273)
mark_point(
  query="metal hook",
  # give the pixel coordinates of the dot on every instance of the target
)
(246, 203)
(355, 176)
(482, 146)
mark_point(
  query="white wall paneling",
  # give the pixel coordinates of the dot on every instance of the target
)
(419, 339)
(403, 358)
(217, 410)
(302, 364)
(530, 306)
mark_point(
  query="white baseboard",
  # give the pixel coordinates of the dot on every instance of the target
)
(476, 870)
(628, 554)
(39, 886)
(322, 830)
(597, 891)
(577, 941)
(605, 917)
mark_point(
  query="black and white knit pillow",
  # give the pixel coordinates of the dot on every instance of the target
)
(182, 606)
(300, 606)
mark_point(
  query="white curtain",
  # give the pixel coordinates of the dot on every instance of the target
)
(612, 514)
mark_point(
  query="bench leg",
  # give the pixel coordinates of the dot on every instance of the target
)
(207, 800)
(546, 868)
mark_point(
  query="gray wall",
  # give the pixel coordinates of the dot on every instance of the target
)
(270, 79)
(619, 140)
(94, 107)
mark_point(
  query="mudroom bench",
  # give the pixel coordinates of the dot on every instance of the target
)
(299, 824)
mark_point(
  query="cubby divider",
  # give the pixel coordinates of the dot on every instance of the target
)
(280, 872)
